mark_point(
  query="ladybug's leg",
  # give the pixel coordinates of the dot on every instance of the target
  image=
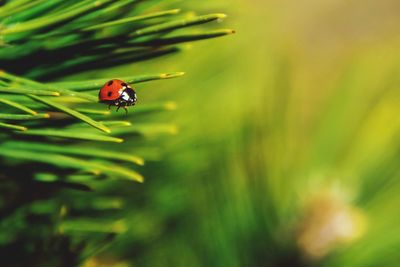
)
(109, 106)
(122, 104)
(117, 103)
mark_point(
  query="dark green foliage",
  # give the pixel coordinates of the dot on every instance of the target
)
(66, 162)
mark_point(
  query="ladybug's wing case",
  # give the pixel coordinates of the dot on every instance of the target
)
(110, 91)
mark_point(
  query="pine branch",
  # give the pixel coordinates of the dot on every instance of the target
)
(54, 133)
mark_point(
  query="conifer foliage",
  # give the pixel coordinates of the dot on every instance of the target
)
(63, 156)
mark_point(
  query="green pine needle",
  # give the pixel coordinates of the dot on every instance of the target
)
(96, 84)
(93, 111)
(87, 151)
(131, 19)
(72, 112)
(73, 135)
(24, 91)
(52, 19)
(18, 106)
(69, 162)
(189, 37)
(177, 24)
(23, 117)
(12, 127)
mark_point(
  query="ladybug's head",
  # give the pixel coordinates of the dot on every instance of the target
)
(128, 96)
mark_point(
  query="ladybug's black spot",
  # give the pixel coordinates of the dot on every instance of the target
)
(124, 84)
(110, 82)
(109, 94)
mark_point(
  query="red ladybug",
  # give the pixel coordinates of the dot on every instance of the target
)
(118, 93)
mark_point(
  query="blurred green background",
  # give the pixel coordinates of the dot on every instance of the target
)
(287, 150)
(287, 153)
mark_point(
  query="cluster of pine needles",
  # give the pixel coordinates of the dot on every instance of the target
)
(53, 132)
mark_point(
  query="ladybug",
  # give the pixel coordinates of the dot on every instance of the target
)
(117, 93)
